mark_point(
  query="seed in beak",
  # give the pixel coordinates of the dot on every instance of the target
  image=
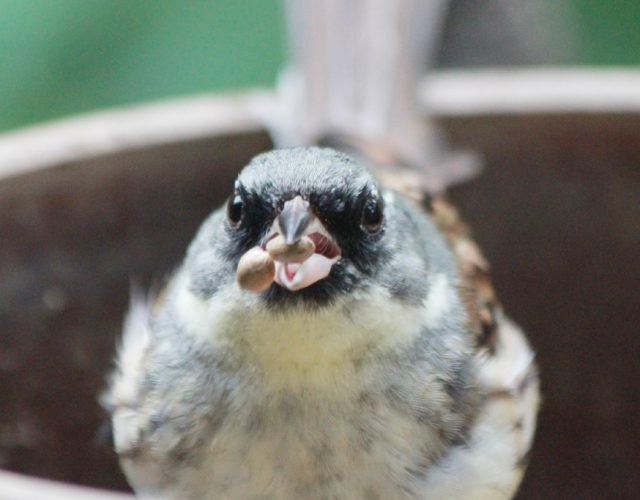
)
(299, 251)
(256, 270)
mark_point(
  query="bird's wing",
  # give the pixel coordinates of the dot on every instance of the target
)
(491, 463)
(125, 398)
(122, 396)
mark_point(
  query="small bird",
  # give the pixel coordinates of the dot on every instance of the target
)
(325, 338)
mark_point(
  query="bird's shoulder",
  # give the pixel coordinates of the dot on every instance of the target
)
(492, 460)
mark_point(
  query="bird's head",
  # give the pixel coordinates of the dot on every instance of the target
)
(318, 193)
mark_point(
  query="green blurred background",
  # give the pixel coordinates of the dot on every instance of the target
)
(59, 57)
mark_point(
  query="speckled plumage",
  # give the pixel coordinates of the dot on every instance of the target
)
(380, 381)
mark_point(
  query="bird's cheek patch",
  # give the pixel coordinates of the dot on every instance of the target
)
(296, 276)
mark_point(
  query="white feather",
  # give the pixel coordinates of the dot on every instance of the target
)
(136, 335)
(124, 382)
(485, 468)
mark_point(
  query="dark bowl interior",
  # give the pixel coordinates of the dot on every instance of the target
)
(557, 211)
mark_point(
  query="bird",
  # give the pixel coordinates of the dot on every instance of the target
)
(377, 365)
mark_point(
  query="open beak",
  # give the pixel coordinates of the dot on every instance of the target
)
(295, 221)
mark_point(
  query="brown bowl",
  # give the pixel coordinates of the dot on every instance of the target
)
(88, 205)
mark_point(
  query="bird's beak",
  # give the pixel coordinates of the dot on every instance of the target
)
(294, 219)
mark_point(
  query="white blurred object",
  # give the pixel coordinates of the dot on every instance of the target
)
(353, 74)
(18, 487)
(355, 67)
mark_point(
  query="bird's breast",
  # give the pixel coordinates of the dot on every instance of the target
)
(360, 447)
(327, 347)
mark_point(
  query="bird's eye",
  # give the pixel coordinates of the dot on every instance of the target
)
(372, 215)
(234, 210)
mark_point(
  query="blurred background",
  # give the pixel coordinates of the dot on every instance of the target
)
(86, 205)
(61, 57)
